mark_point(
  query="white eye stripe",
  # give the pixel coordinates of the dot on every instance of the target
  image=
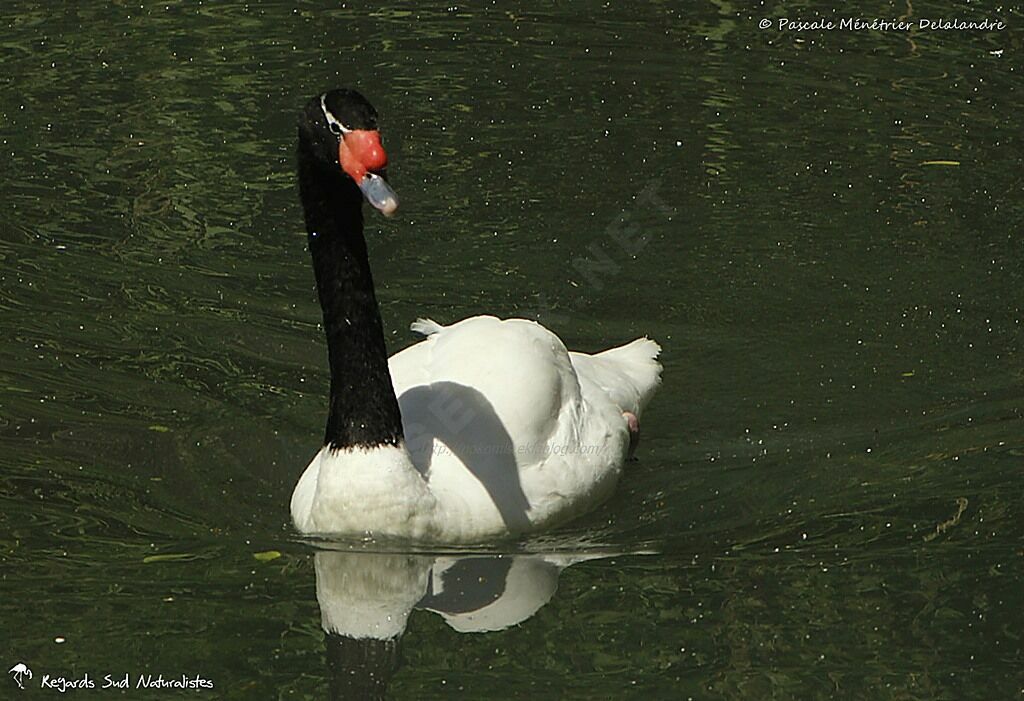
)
(331, 119)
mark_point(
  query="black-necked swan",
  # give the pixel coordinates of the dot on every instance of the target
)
(486, 428)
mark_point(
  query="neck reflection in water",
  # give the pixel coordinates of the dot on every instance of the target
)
(366, 599)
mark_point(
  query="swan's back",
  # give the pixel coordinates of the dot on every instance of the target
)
(513, 368)
(511, 430)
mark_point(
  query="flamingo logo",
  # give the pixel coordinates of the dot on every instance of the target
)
(18, 671)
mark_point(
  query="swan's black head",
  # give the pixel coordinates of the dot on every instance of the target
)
(338, 131)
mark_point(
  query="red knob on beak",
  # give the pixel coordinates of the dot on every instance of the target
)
(360, 150)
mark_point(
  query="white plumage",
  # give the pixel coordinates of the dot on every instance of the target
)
(506, 432)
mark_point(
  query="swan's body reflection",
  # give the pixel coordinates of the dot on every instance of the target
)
(366, 599)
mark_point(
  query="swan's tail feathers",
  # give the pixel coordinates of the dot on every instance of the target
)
(425, 327)
(629, 374)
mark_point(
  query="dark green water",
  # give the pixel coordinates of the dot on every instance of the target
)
(822, 229)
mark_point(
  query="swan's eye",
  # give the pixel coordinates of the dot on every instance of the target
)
(336, 127)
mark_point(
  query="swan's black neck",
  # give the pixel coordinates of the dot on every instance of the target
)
(363, 409)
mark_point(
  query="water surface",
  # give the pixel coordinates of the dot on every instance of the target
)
(821, 230)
